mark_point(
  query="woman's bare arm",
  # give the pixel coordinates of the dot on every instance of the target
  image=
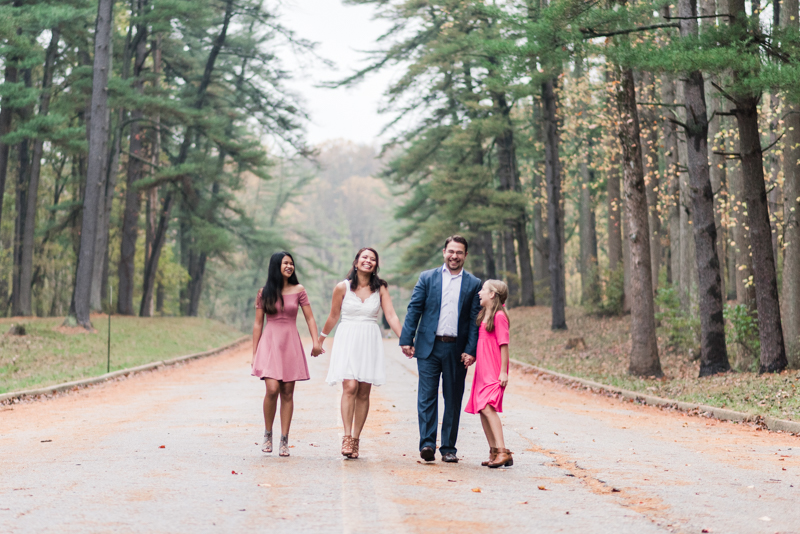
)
(389, 313)
(503, 365)
(258, 326)
(312, 329)
(336, 308)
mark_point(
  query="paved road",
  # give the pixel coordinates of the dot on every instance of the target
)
(92, 462)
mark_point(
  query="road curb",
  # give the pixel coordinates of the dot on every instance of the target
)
(771, 423)
(49, 390)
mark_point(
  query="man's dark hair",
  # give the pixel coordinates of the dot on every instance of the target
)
(458, 239)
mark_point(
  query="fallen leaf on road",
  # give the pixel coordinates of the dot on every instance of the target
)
(556, 433)
(265, 485)
(476, 490)
(452, 481)
(525, 502)
(542, 488)
(387, 432)
(765, 518)
(162, 446)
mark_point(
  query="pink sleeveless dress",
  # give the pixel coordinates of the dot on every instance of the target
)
(280, 354)
(486, 389)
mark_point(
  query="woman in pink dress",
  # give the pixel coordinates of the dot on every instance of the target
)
(278, 357)
(491, 370)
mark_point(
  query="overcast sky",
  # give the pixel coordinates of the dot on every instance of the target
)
(342, 32)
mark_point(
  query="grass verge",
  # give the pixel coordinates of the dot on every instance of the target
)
(605, 359)
(51, 354)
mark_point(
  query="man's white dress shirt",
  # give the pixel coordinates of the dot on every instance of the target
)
(448, 313)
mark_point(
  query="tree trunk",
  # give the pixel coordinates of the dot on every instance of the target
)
(719, 187)
(159, 236)
(644, 348)
(100, 284)
(713, 351)
(650, 161)
(508, 176)
(32, 197)
(614, 211)
(773, 353)
(130, 219)
(708, 9)
(21, 298)
(791, 212)
(673, 180)
(5, 127)
(590, 281)
(98, 139)
(555, 219)
(743, 266)
(614, 200)
(109, 173)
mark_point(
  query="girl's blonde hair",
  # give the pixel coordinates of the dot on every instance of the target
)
(500, 290)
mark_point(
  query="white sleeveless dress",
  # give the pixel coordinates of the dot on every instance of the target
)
(357, 352)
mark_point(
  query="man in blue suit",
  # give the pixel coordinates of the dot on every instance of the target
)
(440, 331)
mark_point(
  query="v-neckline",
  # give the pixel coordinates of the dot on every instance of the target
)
(359, 298)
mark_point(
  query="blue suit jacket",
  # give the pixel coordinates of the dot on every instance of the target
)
(423, 312)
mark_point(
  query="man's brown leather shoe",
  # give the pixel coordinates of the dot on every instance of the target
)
(450, 458)
(427, 454)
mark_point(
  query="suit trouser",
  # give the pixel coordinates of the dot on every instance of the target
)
(442, 361)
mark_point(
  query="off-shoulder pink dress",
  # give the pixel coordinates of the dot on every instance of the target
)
(280, 354)
(486, 389)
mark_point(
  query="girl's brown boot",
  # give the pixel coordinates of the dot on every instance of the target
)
(492, 455)
(503, 458)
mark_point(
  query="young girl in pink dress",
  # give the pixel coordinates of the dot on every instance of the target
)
(491, 370)
(278, 356)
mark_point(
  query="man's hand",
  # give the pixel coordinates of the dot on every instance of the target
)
(467, 360)
(408, 350)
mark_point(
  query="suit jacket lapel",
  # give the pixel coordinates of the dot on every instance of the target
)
(436, 287)
(463, 294)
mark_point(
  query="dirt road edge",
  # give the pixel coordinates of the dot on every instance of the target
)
(49, 390)
(771, 423)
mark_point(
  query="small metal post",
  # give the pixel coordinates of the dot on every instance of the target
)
(110, 300)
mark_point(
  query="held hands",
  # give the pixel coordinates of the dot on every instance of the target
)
(317, 350)
(467, 360)
(503, 379)
(408, 350)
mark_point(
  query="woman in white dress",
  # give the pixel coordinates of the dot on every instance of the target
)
(357, 353)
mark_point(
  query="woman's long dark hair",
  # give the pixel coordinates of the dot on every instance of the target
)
(375, 282)
(272, 292)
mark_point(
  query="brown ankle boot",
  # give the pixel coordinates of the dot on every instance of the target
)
(503, 458)
(492, 455)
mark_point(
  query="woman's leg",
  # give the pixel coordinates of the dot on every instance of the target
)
(495, 425)
(287, 406)
(349, 390)
(270, 402)
(487, 430)
(362, 407)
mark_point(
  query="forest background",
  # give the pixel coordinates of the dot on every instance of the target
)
(626, 158)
